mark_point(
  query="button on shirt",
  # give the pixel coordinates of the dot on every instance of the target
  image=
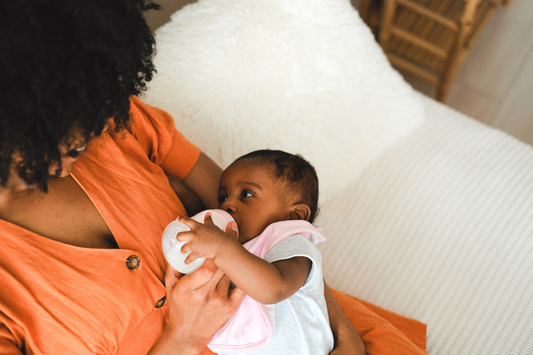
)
(160, 303)
(133, 262)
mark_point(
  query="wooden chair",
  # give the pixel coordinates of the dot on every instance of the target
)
(428, 38)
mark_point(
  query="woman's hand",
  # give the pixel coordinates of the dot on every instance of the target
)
(199, 305)
(205, 240)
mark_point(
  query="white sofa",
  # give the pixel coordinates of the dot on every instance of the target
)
(428, 213)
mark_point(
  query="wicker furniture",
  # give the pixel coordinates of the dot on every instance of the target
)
(428, 38)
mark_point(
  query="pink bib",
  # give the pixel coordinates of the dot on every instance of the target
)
(251, 327)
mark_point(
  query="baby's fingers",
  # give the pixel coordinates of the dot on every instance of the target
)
(190, 258)
(194, 249)
(189, 222)
(208, 219)
(232, 229)
(184, 236)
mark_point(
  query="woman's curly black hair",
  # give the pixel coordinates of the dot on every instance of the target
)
(66, 63)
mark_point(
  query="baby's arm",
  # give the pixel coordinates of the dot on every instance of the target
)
(265, 282)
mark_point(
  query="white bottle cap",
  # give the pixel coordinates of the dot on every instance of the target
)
(172, 247)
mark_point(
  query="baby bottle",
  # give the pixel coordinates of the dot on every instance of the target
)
(172, 247)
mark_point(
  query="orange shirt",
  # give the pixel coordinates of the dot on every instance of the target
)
(61, 299)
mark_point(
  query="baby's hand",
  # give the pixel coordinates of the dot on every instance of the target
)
(205, 240)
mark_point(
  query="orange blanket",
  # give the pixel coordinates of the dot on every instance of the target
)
(382, 331)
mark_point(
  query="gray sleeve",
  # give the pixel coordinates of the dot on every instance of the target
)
(297, 245)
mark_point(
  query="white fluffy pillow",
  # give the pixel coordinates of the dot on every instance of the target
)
(304, 76)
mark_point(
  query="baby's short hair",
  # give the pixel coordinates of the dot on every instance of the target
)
(298, 174)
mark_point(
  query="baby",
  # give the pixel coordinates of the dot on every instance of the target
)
(273, 197)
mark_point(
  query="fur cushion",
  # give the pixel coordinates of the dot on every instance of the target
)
(304, 76)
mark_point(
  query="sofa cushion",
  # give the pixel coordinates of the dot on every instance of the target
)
(304, 76)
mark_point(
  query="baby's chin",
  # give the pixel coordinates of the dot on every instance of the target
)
(244, 237)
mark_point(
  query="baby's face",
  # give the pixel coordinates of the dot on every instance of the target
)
(250, 195)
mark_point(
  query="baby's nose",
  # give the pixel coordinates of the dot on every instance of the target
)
(226, 206)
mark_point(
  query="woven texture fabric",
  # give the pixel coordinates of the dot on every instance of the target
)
(441, 230)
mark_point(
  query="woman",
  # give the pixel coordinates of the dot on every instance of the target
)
(84, 198)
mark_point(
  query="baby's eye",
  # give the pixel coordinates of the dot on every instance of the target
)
(222, 198)
(246, 194)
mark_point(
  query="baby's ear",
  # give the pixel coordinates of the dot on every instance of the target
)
(300, 212)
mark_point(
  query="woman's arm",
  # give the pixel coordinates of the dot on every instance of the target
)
(347, 340)
(189, 200)
(199, 189)
(203, 181)
(264, 282)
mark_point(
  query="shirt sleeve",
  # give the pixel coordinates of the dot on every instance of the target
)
(164, 145)
(293, 246)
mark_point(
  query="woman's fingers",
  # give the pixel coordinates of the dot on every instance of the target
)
(171, 277)
(221, 284)
(220, 287)
(235, 295)
(227, 286)
(198, 304)
(211, 289)
(201, 277)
